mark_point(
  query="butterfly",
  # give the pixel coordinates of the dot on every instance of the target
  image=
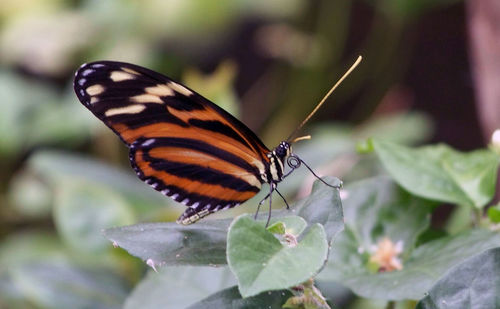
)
(180, 143)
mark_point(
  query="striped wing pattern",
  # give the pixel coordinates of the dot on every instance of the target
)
(181, 144)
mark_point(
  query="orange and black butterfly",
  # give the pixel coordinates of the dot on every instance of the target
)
(180, 143)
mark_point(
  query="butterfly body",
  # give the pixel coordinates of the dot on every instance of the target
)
(180, 143)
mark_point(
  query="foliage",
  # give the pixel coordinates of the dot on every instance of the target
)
(82, 232)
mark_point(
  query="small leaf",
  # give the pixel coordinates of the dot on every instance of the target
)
(169, 243)
(277, 228)
(472, 284)
(441, 173)
(262, 263)
(494, 213)
(364, 147)
(294, 225)
(231, 299)
(178, 286)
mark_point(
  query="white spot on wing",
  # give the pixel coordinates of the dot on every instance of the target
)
(81, 81)
(118, 76)
(97, 65)
(180, 89)
(185, 201)
(148, 142)
(131, 109)
(195, 205)
(175, 196)
(165, 191)
(94, 90)
(87, 72)
(146, 98)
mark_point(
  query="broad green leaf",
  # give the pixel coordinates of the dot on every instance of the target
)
(441, 173)
(83, 210)
(231, 299)
(50, 285)
(473, 284)
(425, 266)
(178, 287)
(262, 263)
(203, 243)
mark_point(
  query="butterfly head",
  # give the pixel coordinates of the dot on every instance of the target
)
(283, 151)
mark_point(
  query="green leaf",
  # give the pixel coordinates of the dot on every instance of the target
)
(277, 228)
(178, 286)
(231, 299)
(50, 285)
(294, 225)
(262, 263)
(82, 210)
(421, 270)
(441, 173)
(472, 284)
(203, 243)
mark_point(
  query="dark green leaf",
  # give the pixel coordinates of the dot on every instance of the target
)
(203, 243)
(231, 299)
(441, 173)
(262, 263)
(473, 284)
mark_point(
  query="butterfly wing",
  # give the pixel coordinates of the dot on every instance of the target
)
(181, 144)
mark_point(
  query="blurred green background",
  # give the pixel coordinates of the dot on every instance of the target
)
(64, 176)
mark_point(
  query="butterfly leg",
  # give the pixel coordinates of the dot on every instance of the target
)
(286, 203)
(272, 187)
(260, 204)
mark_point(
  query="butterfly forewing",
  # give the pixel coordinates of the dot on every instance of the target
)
(180, 143)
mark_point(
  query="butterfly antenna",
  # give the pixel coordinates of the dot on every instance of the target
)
(325, 97)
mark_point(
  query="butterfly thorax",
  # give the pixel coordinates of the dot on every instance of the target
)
(277, 157)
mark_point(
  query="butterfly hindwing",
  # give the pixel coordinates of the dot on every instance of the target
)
(180, 143)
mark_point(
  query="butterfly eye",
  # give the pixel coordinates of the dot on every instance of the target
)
(282, 150)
